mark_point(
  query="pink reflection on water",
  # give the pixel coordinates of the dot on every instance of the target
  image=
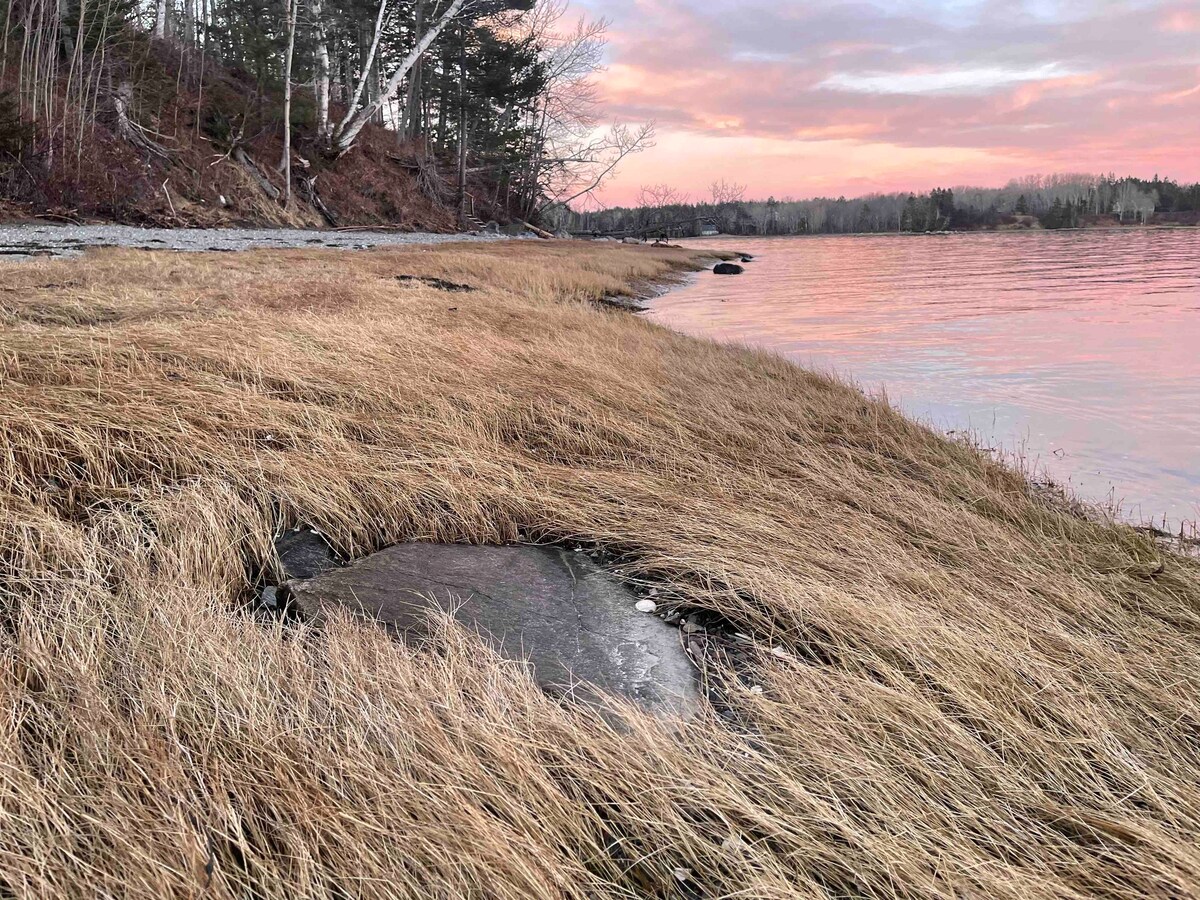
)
(1080, 348)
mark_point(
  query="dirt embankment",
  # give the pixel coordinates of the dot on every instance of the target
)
(207, 153)
(969, 692)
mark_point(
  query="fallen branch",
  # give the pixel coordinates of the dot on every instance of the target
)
(243, 159)
(308, 186)
(544, 235)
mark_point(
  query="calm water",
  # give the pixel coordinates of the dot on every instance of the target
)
(1080, 349)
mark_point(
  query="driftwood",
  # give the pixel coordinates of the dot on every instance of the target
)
(242, 158)
(545, 235)
(308, 187)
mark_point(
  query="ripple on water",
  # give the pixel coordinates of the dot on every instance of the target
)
(1081, 348)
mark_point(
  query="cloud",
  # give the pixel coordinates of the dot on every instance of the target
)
(1018, 85)
(947, 81)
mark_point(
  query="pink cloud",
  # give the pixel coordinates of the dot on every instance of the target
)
(908, 97)
(1181, 21)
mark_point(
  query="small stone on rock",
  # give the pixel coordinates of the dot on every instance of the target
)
(647, 606)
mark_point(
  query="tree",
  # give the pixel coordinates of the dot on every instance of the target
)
(568, 157)
(321, 78)
(591, 165)
(724, 192)
(285, 164)
(347, 131)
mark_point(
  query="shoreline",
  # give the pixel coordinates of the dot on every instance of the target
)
(1184, 538)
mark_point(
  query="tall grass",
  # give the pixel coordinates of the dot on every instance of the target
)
(980, 694)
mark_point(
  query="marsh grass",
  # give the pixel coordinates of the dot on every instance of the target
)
(982, 694)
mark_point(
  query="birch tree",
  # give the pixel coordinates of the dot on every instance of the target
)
(357, 117)
(285, 164)
(321, 64)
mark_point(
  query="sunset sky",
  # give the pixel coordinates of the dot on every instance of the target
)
(825, 98)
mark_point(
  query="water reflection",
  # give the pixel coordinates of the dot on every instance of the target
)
(1082, 348)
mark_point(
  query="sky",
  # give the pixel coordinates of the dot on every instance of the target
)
(827, 98)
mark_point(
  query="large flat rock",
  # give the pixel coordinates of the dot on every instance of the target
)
(577, 625)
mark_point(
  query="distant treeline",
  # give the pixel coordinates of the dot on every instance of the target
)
(1054, 201)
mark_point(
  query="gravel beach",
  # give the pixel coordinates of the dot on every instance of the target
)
(72, 240)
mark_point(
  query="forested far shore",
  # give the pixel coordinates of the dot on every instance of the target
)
(1054, 201)
(424, 114)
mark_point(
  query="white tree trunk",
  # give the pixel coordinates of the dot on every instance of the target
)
(160, 19)
(353, 124)
(321, 81)
(368, 67)
(285, 164)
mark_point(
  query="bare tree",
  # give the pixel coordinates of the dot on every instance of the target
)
(723, 192)
(594, 164)
(568, 157)
(660, 196)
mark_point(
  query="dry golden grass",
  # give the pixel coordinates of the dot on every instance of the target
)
(985, 696)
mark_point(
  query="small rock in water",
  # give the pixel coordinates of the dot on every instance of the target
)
(727, 269)
(647, 606)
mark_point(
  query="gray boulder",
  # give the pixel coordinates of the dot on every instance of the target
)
(304, 554)
(578, 627)
(727, 269)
